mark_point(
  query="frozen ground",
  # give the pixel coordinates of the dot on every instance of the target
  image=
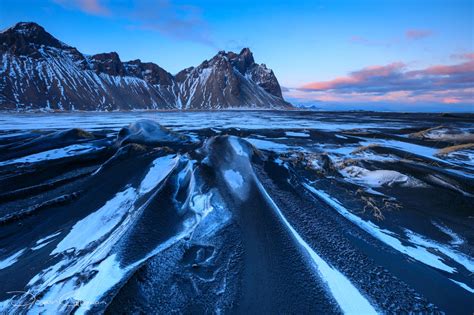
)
(236, 212)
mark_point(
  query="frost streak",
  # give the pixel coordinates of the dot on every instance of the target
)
(417, 251)
(345, 293)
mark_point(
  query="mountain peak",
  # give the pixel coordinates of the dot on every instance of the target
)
(27, 28)
(19, 36)
(109, 63)
(242, 61)
(246, 54)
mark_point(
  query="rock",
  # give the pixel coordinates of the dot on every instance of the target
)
(108, 63)
(148, 132)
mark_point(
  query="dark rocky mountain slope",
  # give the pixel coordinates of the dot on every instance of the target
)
(39, 72)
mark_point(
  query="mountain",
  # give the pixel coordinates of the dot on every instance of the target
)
(226, 80)
(39, 72)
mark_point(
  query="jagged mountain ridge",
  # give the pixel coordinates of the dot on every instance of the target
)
(39, 72)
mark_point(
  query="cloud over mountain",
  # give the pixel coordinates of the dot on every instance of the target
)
(179, 21)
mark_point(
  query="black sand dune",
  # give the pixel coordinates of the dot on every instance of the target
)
(373, 216)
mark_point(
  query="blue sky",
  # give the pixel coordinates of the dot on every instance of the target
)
(306, 43)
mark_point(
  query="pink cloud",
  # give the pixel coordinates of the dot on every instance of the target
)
(448, 84)
(378, 71)
(93, 7)
(328, 85)
(450, 100)
(415, 34)
(462, 68)
(397, 97)
(463, 56)
(358, 77)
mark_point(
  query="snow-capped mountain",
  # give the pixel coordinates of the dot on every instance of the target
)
(40, 72)
(227, 80)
